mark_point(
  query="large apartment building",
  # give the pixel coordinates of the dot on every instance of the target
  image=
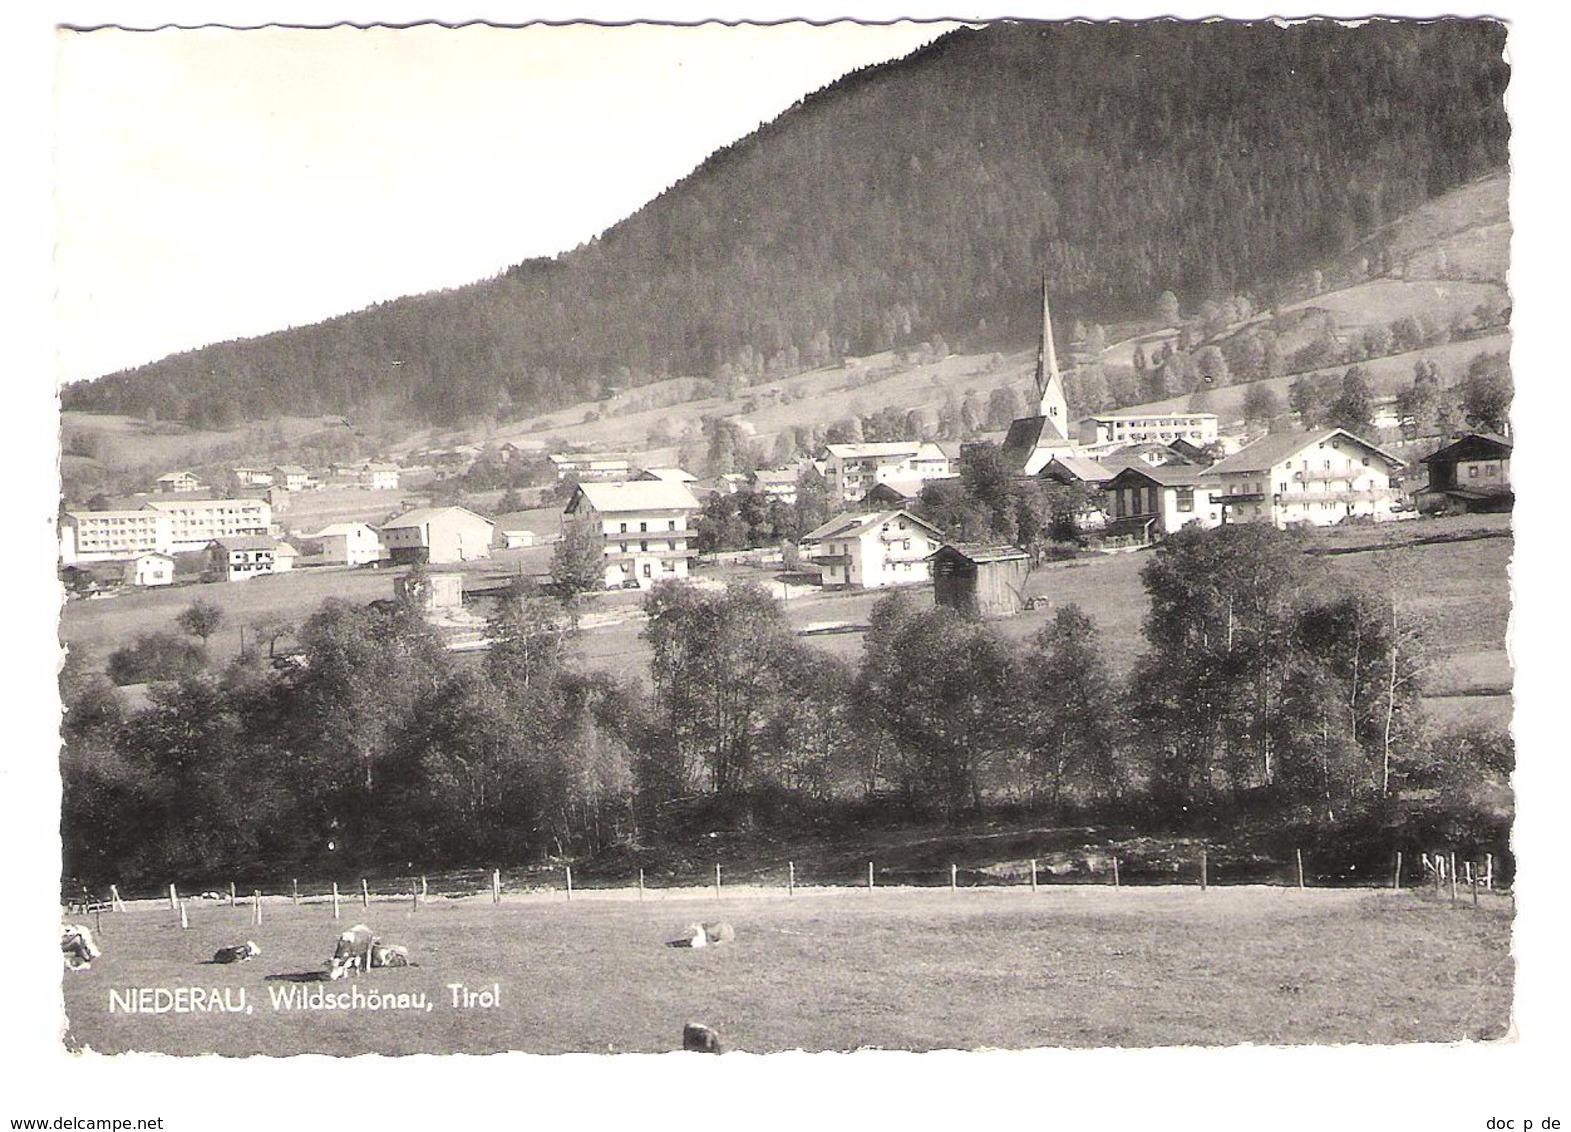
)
(164, 526)
(1107, 430)
(645, 524)
(855, 469)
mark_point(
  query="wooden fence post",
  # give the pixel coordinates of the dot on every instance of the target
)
(640, 884)
(184, 923)
(870, 876)
(1452, 871)
(424, 892)
(496, 886)
(717, 880)
(1473, 881)
(1396, 873)
(569, 871)
(1299, 853)
(335, 900)
(1202, 870)
(256, 907)
(1033, 874)
(174, 899)
(231, 894)
(365, 894)
(953, 882)
(1489, 871)
(1115, 872)
(790, 878)
(114, 899)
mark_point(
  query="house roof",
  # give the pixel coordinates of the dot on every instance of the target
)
(291, 469)
(185, 503)
(176, 476)
(248, 542)
(1474, 445)
(370, 467)
(1278, 447)
(337, 529)
(634, 495)
(979, 552)
(669, 475)
(850, 524)
(1081, 468)
(902, 492)
(775, 475)
(517, 521)
(420, 516)
(1165, 475)
(875, 449)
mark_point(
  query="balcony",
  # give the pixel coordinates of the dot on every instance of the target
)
(830, 559)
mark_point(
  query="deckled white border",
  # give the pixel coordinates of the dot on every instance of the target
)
(1399, 1087)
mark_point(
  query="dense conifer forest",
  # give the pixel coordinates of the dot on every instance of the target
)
(918, 200)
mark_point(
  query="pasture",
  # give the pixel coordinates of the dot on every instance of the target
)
(827, 969)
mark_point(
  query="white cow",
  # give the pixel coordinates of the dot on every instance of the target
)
(353, 952)
(239, 953)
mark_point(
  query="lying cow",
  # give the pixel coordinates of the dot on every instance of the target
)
(389, 955)
(239, 953)
(705, 935)
(78, 947)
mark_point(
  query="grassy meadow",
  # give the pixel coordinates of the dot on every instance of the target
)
(913, 969)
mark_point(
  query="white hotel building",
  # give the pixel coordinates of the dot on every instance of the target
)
(1114, 430)
(645, 524)
(164, 526)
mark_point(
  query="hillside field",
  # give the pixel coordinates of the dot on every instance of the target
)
(897, 968)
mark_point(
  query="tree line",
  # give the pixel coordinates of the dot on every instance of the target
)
(1262, 688)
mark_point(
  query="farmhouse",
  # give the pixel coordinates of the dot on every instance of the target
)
(1296, 477)
(237, 558)
(644, 525)
(248, 476)
(291, 477)
(150, 569)
(872, 549)
(438, 535)
(377, 477)
(854, 469)
(177, 483)
(980, 580)
(349, 544)
(775, 483)
(1470, 474)
(1146, 503)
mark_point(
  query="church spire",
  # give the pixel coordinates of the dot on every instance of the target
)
(1049, 385)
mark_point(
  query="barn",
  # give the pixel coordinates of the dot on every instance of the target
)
(980, 580)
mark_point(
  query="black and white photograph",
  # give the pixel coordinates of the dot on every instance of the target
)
(816, 541)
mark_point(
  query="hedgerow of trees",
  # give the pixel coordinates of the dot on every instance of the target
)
(1263, 689)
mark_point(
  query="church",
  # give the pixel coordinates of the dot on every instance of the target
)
(1034, 441)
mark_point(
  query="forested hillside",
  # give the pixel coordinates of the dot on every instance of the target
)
(921, 200)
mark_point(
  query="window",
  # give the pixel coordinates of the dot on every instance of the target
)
(1186, 499)
(624, 547)
(1282, 487)
(905, 544)
(1472, 471)
(645, 526)
(647, 572)
(673, 524)
(622, 529)
(643, 544)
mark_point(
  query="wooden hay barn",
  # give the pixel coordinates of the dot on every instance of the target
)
(980, 580)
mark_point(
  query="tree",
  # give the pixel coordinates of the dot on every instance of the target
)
(272, 629)
(578, 561)
(1261, 405)
(527, 631)
(155, 656)
(201, 618)
(1167, 309)
(1487, 393)
(1354, 407)
(1069, 728)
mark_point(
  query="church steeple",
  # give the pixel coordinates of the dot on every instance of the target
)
(1049, 385)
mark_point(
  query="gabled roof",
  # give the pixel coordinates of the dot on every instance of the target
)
(1164, 475)
(775, 475)
(634, 495)
(1081, 468)
(248, 542)
(176, 476)
(291, 469)
(420, 516)
(1475, 445)
(337, 529)
(370, 467)
(978, 552)
(874, 449)
(851, 524)
(1279, 447)
(669, 475)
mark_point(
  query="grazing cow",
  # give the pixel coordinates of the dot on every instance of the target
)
(78, 947)
(353, 952)
(698, 1038)
(720, 932)
(239, 953)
